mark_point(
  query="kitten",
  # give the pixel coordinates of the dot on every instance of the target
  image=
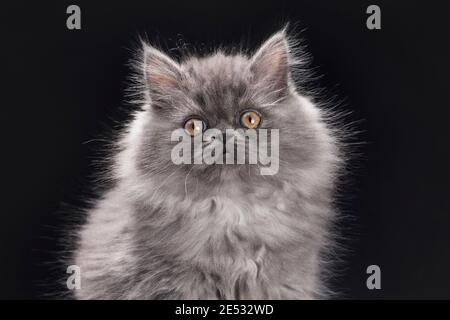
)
(197, 231)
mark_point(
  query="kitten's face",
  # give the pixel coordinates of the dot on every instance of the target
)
(225, 92)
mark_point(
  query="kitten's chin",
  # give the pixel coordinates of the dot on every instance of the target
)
(239, 174)
(211, 180)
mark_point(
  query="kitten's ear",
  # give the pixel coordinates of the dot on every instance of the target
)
(161, 73)
(270, 64)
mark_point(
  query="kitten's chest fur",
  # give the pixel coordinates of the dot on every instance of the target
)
(244, 245)
(237, 246)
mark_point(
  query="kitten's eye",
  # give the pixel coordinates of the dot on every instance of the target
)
(194, 126)
(250, 119)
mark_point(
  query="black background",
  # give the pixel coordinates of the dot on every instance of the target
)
(61, 87)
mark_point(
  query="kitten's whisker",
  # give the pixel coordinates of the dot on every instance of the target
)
(162, 184)
(185, 180)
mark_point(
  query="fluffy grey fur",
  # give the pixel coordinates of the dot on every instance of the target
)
(167, 231)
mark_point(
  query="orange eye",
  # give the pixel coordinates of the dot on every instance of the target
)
(250, 119)
(194, 126)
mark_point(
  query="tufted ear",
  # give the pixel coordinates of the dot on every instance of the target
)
(270, 64)
(162, 74)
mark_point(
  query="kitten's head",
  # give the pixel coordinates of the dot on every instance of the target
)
(218, 91)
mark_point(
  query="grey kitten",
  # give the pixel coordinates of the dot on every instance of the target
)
(167, 231)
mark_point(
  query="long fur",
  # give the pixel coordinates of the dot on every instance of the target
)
(216, 232)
